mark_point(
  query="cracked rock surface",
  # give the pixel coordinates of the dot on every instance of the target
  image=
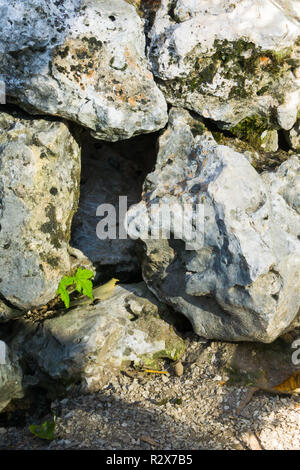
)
(241, 280)
(83, 61)
(39, 191)
(229, 60)
(91, 342)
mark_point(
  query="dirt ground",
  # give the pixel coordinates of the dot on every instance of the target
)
(195, 410)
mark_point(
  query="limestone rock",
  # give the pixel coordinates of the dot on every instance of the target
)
(229, 60)
(89, 343)
(10, 377)
(39, 186)
(81, 60)
(236, 275)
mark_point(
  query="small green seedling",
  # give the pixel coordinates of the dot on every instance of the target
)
(45, 430)
(82, 283)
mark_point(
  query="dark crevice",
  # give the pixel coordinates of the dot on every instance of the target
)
(7, 303)
(109, 171)
(282, 141)
(33, 409)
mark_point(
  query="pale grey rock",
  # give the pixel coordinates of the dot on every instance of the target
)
(269, 141)
(39, 191)
(229, 60)
(89, 343)
(10, 377)
(82, 60)
(239, 277)
(293, 136)
(291, 8)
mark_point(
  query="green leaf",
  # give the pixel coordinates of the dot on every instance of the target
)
(62, 289)
(84, 274)
(45, 430)
(67, 281)
(83, 284)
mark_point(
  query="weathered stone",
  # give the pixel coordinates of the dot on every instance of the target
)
(39, 190)
(81, 60)
(91, 342)
(261, 160)
(229, 60)
(10, 377)
(239, 278)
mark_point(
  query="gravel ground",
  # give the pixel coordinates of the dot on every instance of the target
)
(168, 412)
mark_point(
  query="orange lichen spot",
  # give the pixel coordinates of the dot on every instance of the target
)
(132, 101)
(263, 60)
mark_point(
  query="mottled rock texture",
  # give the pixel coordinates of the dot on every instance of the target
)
(39, 191)
(87, 344)
(241, 280)
(229, 60)
(81, 60)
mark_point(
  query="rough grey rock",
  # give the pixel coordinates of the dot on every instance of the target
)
(229, 60)
(10, 377)
(106, 175)
(39, 190)
(239, 277)
(91, 342)
(81, 60)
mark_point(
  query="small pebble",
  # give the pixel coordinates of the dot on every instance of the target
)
(178, 369)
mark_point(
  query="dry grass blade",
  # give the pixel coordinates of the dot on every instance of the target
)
(148, 440)
(247, 398)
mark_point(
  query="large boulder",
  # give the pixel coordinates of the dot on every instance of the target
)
(10, 377)
(81, 60)
(39, 191)
(236, 273)
(229, 61)
(90, 342)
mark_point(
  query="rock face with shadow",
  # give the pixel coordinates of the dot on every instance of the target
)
(10, 377)
(232, 263)
(39, 191)
(81, 60)
(229, 61)
(88, 343)
(109, 182)
(293, 135)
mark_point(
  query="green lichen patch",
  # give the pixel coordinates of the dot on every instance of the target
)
(248, 71)
(159, 331)
(53, 228)
(251, 129)
(259, 159)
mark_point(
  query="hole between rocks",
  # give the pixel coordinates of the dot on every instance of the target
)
(109, 171)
